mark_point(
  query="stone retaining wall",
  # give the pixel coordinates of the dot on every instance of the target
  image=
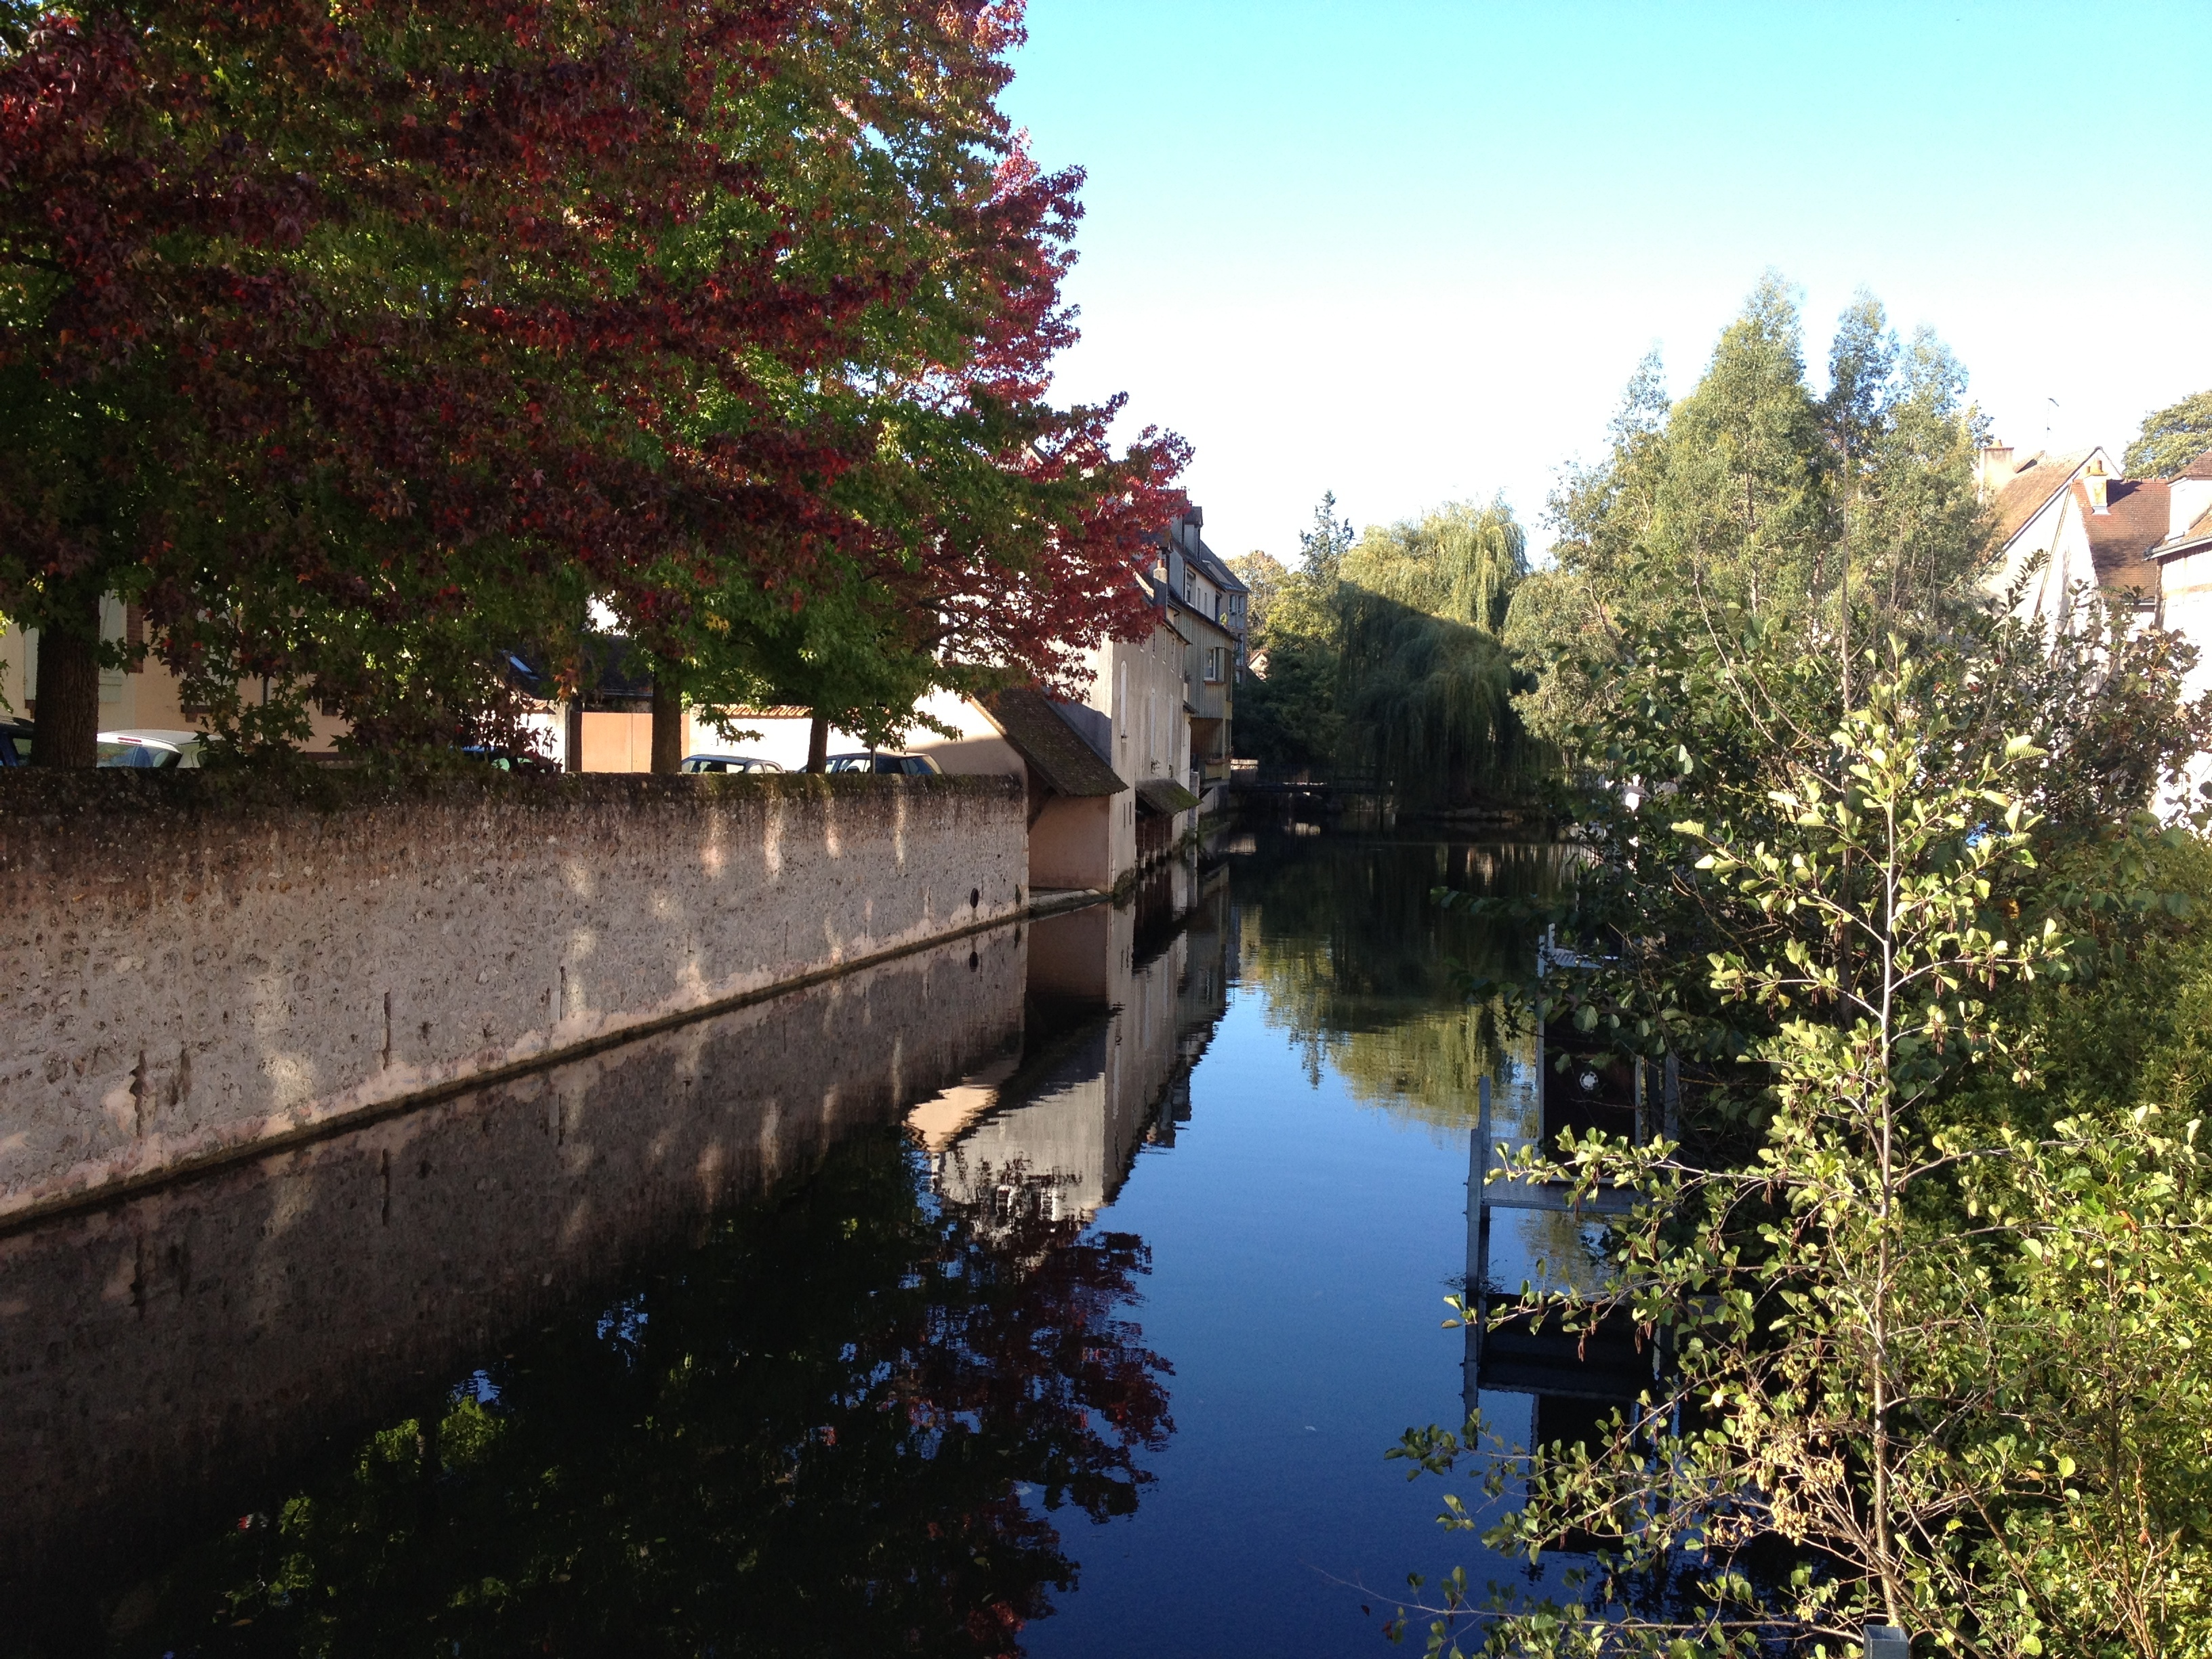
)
(195, 965)
(160, 1356)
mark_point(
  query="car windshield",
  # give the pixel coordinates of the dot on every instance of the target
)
(137, 754)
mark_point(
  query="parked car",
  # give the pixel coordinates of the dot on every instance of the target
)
(915, 766)
(155, 750)
(512, 760)
(15, 742)
(728, 764)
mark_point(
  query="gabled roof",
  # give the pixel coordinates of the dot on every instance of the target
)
(1217, 568)
(2122, 537)
(2031, 487)
(2199, 468)
(1054, 750)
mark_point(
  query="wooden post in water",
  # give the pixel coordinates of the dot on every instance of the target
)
(1475, 1296)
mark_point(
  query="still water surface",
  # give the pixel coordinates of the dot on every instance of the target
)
(1057, 1294)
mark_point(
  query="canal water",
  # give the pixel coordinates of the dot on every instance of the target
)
(1057, 1293)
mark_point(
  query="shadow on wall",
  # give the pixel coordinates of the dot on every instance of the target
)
(159, 1357)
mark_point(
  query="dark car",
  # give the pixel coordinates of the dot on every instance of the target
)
(512, 760)
(915, 766)
(15, 742)
(728, 764)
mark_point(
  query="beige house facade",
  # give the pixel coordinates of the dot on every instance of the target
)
(2070, 523)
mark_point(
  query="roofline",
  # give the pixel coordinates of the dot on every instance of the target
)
(2174, 549)
(2058, 490)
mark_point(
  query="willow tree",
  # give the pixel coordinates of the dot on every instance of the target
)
(1425, 684)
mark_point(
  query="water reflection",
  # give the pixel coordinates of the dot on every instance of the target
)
(1361, 966)
(741, 1367)
(1122, 1001)
(816, 1328)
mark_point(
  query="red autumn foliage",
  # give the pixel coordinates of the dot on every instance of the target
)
(362, 346)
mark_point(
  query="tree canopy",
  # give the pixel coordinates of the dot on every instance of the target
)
(362, 349)
(1754, 495)
(2171, 438)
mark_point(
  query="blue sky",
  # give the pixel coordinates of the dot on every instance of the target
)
(1411, 251)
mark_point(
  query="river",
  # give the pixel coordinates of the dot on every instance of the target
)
(1058, 1292)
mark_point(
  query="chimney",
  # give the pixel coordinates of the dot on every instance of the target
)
(2095, 481)
(1994, 469)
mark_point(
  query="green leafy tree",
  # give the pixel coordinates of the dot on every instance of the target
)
(1857, 508)
(1858, 925)
(1425, 683)
(2171, 438)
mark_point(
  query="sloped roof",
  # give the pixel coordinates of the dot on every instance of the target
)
(1164, 796)
(2191, 538)
(2122, 537)
(1053, 749)
(2031, 487)
(2199, 468)
(1215, 567)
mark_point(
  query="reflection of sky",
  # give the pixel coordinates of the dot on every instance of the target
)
(1302, 1249)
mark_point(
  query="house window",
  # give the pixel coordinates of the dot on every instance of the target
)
(1189, 585)
(1217, 662)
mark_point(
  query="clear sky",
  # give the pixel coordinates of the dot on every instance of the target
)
(1411, 251)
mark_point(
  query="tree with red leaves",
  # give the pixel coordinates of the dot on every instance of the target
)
(363, 346)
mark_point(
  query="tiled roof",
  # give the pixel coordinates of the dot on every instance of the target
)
(2030, 489)
(1054, 750)
(2199, 468)
(2121, 537)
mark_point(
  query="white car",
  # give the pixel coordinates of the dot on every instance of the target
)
(152, 748)
(728, 764)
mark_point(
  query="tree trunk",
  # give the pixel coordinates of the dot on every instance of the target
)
(68, 692)
(817, 744)
(667, 727)
(572, 746)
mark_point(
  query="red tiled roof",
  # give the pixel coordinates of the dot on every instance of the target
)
(2199, 468)
(2133, 523)
(2032, 484)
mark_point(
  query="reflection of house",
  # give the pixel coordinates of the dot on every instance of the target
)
(1122, 1000)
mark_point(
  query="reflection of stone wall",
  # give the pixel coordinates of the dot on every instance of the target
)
(156, 1354)
(192, 964)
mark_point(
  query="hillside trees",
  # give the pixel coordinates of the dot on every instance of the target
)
(361, 349)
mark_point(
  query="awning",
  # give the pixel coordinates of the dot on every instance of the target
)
(1054, 750)
(1164, 797)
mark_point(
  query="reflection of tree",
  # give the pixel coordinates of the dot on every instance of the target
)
(835, 1427)
(1360, 964)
